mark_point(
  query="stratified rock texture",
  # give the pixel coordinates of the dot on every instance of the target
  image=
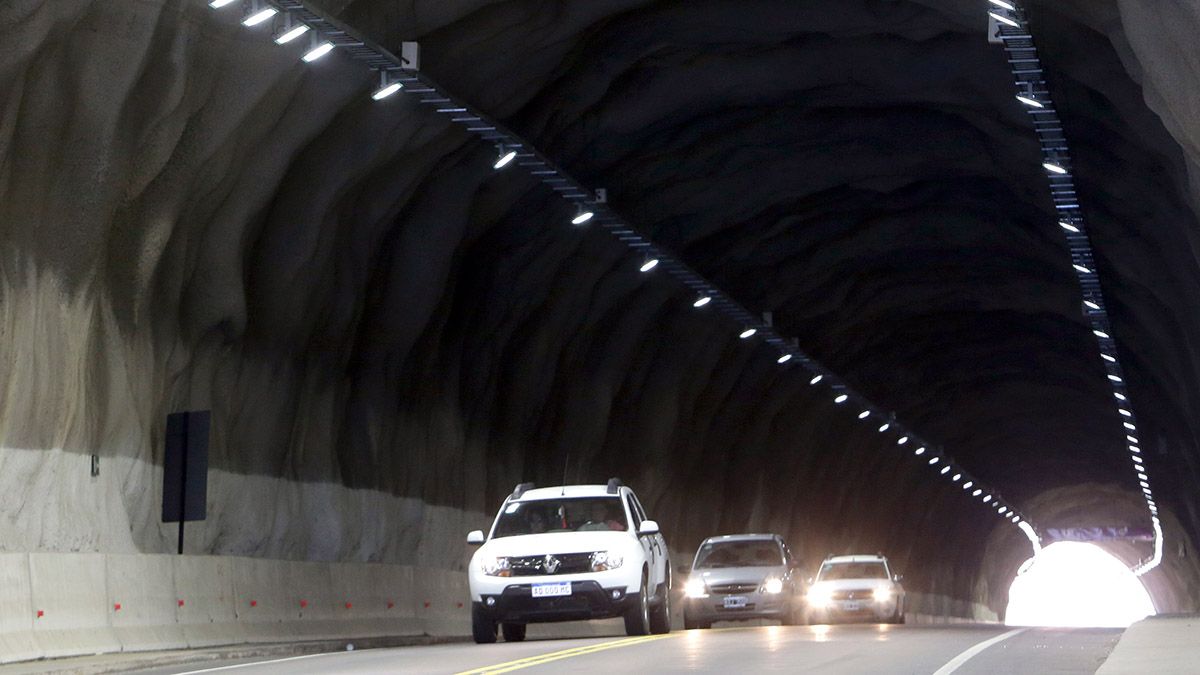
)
(390, 334)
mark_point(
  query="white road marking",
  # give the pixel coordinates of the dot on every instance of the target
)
(255, 663)
(957, 662)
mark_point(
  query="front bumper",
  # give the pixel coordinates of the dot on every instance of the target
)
(758, 606)
(850, 610)
(588, 600)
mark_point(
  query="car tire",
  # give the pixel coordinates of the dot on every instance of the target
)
(483, 626)
(513, 632)
(660, 614)
(637, 617)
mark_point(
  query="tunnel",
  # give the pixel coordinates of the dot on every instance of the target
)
(390, 334)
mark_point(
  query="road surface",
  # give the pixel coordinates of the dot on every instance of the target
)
(960, 649)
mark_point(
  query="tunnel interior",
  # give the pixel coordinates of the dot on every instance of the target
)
(391, 334)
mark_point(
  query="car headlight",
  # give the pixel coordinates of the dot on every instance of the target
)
(496, 567)
(773, 586)
(820, 596)
(882, 594)
(606, 560)
(695, 588)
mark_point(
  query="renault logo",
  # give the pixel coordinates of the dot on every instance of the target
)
(550, 564)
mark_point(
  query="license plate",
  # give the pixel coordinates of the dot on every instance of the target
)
(551, 590)
(735, 602)
(852, 606)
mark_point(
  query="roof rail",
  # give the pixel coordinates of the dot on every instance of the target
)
(520, 489)
(613, 485)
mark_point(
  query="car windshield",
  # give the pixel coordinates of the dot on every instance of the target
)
(852, 570)
(764, 553)
(603, 514)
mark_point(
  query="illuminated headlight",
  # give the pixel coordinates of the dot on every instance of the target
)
(496, 567)
(773, 586)
(606, 560)
(882, 594)
(820, 597)
(695, 588)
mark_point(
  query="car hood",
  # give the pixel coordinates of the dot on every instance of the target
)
(856, 584)
(738, 575)
(558, 542)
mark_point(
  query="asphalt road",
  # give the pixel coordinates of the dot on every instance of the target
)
(820, 649)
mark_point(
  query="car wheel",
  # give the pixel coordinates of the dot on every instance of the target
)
(513, 632)
(637, 618)
(660, 614)
(483, 627)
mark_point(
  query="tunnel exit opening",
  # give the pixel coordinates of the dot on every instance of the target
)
(1076, 584)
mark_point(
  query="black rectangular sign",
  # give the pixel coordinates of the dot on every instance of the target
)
(185, 467)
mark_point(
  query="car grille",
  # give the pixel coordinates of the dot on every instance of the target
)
(540, 565)
(852, 595)
(732, 589)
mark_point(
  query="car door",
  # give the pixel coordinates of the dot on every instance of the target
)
(656, 549)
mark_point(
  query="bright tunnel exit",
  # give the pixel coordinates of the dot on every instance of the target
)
(1076, 584)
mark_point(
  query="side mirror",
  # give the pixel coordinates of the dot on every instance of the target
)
(648, 527)
(475, 537)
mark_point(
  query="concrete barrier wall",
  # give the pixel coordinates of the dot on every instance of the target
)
(63, 604)
(69, 604)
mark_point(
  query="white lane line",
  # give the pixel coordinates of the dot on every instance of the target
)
(255, 663)
(957, 662)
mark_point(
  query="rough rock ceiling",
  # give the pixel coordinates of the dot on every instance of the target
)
(362, 301)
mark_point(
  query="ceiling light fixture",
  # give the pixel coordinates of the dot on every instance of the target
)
(503, 158)
(650, 264)
(702, 301)
(291, 33)
(259, 16)
(317, 50)
(1004, 19)
(582, 215)
(749, 332)
(784, 359)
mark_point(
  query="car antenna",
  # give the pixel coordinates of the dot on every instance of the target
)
(566, 463)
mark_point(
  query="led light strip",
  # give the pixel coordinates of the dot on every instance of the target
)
(1034, 95)
(325, 35)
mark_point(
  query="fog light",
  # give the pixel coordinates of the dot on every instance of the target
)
(491, 602)
(616, 595)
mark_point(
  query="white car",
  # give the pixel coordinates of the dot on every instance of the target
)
(569, 553)
(856, 587)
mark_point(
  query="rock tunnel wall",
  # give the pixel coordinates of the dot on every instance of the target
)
(390, 336)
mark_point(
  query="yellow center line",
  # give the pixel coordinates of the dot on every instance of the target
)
(538, 660)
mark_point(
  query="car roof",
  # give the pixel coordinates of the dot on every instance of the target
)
(860, 558)
(567, 491)
(741, 537)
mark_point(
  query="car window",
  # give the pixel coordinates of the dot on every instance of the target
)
(634, 512)
(852, 570)
(762, 553)
(561, 515)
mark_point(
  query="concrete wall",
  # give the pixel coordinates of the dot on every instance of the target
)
(65, 604)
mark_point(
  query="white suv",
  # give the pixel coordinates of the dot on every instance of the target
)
(856, 587)
(569, 553)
